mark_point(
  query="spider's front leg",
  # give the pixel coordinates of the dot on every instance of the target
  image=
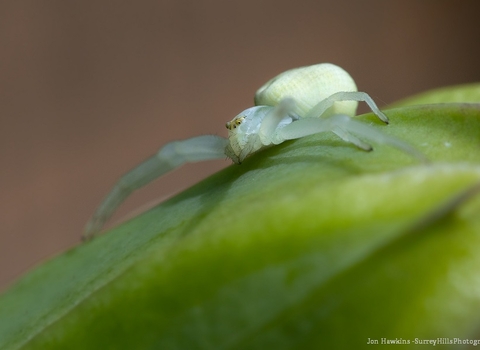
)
(358, 96)
(169, 157)
(345, 127)
(280, 114)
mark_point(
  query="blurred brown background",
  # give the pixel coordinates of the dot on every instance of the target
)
(90, 88)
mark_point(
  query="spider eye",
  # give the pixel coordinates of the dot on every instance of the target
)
(234, 123)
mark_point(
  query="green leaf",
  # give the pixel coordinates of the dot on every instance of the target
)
(310, 244)
(467, 93)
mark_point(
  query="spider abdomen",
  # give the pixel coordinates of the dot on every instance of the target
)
(308, 86)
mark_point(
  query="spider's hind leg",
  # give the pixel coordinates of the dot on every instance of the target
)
(345, 127)
(358, 96)
(348, 137)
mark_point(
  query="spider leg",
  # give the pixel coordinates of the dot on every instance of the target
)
(169, 157)
(323, 105)
(348, 137)
(345, 127)
(273, 118)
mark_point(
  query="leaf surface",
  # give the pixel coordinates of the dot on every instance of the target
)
(312, 243)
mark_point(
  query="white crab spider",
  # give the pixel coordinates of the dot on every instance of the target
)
(296, 103)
